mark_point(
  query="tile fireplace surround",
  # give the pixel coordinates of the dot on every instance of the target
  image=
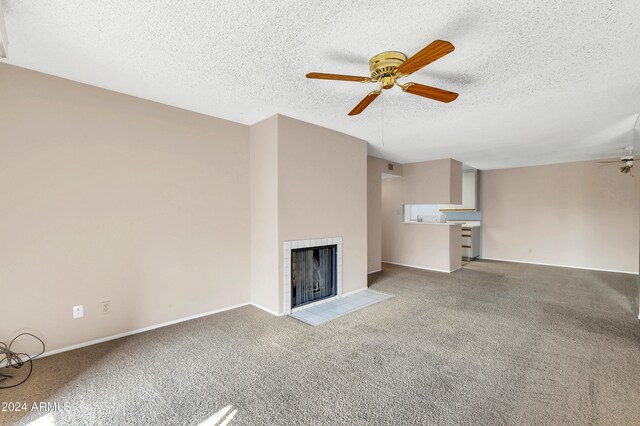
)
(295, 244)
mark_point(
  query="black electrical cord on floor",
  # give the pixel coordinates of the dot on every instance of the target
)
(16, 360)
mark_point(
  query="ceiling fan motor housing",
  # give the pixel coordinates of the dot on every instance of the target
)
(383, 67)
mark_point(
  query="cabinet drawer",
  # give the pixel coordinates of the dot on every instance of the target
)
(466, 252)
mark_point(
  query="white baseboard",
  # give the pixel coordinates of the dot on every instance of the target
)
(265, 309)
(373, 272)
(139, 330)
(422, 267)
(560, 266)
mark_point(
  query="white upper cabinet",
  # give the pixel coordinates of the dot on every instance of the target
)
(469, 194)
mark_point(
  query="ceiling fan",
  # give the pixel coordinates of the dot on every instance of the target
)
(387, 67)
(626, 160)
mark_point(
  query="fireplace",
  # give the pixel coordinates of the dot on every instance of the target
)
(313, 274)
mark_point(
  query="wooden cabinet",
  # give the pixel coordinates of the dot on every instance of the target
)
(469, 194)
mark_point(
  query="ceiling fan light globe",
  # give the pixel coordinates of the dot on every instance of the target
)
(388, 82)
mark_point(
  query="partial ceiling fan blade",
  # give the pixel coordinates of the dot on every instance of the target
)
(619, 160)
(429, 54)
(4, 40)
(340, 77)
(365, 102)
(429, 92)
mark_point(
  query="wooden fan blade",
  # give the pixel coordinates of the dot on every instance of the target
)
(429, 92)
(431, 53)
(323, 76)
(365, 102)
(619, 160)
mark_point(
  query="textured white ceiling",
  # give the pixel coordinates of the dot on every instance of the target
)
(540, 81)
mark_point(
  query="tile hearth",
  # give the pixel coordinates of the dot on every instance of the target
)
(320, 313)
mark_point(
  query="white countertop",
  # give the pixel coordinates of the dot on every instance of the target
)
(413, 222)
(467, 223)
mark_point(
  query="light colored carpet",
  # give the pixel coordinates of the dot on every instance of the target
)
(494, 343)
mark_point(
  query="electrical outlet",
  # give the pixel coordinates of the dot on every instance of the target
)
(78, 311)
(106, 307)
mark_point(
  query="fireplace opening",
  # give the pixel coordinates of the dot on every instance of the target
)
(313, 274)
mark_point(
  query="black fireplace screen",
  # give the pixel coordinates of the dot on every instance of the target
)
(313, 274)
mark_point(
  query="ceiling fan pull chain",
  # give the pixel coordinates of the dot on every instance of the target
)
(382, 121)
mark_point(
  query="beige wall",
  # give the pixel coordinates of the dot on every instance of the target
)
(428, 182)
(264, 214)
(436, 247)
(310, 182)
(433, 246)
(636, 138)
(637, 289)
(375, 169)
(109, 197)
(323, 193)
(575, 214)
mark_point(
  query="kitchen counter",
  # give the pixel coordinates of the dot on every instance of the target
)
(467, 223)
(430, 223)
(433, 246)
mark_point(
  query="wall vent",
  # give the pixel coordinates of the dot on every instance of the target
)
(389, 166)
